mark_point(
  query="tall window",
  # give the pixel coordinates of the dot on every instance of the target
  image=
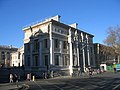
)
(27, 47)
(56, 43)
(65, 61)
(73, 60)
(3, 55)
(36, 45)
(56, 59)
(45, 43)
(46, 60)
(36, 61)
(28, 61)
(64, 45)
(18, 55)
(23, 59)
(91, 49)
(8, 56)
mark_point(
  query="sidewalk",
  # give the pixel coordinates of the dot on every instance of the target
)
(83, 75)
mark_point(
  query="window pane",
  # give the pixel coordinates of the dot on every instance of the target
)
(56, 43)
(36, 60)
(28, 61)
(46, 60)
(45, 43)
(36, 45)
(8, 56)
(56, 59)
(64, 45)
(3, 56)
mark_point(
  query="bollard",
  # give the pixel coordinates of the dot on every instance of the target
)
(33, 78)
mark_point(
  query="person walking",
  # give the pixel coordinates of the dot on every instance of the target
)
(16, 78)
(90, 71)
(11, 78)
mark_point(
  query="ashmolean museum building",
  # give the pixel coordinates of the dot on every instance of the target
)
(51, 45)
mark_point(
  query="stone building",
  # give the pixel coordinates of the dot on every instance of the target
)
(105, 55)
(17, 58)
(51, 45)
(5, 55)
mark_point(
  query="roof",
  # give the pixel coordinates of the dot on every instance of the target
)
(58, 23)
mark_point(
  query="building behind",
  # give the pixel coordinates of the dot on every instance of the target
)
(18, 58)
(5, 55)
(105, 55)
(54, 46)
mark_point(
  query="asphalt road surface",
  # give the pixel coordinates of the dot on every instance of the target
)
(106, 81)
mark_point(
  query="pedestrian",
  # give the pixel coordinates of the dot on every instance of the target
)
(11, 78)
(90, 71)
(29, 76)
(43, 75)
(16, 78)
(114, 69)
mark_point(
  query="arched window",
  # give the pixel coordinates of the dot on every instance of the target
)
(3, 55)
(8, 55)
(23, 59)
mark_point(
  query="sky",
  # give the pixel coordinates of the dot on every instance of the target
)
(92, 16)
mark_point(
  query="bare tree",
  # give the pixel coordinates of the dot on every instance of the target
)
(113, 38)
(113, 41)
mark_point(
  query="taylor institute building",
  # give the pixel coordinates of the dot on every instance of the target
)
(53, 46)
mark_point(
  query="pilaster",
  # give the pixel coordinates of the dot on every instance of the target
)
(51, 44)
(31, 53)
(83, 51)
(88, 53)
(40, 53)
(71, 54)
(61, 62)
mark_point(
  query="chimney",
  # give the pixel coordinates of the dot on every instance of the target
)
(56, 18)
(74, 25)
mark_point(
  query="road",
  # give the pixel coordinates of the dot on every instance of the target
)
(106, 81)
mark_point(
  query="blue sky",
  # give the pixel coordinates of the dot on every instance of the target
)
(92, 16)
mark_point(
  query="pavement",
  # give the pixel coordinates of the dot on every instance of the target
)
(13, 86)
(23, 86)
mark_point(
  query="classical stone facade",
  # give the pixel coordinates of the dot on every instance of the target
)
(5, 55)
(54, 46)
(17, 58)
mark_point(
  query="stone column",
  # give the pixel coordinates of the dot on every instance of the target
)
(51, 44)
(93, 55)
(61, 62)
(71, 54)
(31, 53)
(78, 59)
(88, 53)
(83, 51)
(40, 53)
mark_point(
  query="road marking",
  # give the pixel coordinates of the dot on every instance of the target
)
(39, 85)
(71, 85)
(55, 86)
(116, 87)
